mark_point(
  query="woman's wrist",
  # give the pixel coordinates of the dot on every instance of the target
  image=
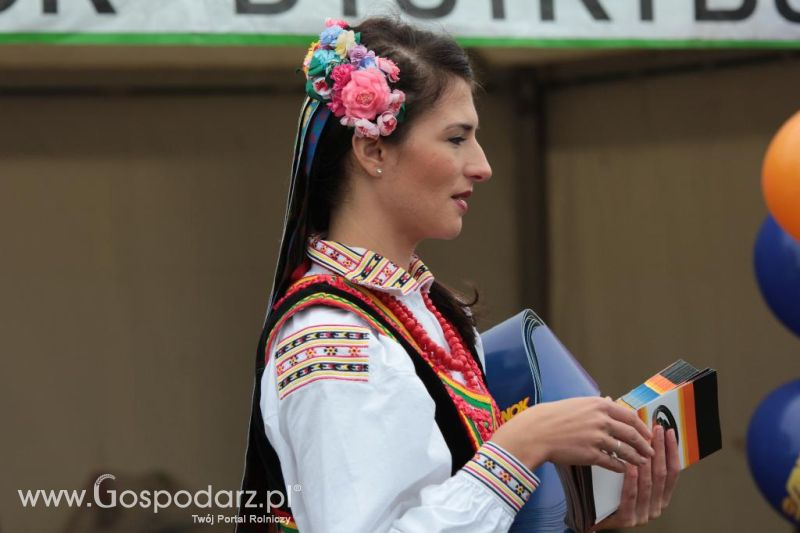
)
(535, 453)
(537, 456)
(529, 448)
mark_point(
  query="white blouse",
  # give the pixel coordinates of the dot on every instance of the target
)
(358, 444)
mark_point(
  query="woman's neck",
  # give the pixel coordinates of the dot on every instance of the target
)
(376, 237)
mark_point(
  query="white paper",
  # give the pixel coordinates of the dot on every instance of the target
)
(607, 488)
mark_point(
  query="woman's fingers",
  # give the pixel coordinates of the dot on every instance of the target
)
(673, 466)
(627, 504)
(606, 461)
(633, 441)
(644, 492)
(625, 515)
(659, 472)
(624, 451)
(629, 417)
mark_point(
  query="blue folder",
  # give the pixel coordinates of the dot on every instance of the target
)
(525, 365)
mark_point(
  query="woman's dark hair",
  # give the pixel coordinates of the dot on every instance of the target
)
(428, 63)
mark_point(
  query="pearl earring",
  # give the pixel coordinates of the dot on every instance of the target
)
(379, 171)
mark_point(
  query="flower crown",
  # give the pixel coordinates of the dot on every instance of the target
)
(354, 81)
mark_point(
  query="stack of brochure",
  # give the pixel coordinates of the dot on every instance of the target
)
(680, 397)
(526, 364)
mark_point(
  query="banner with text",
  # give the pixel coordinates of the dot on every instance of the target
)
(568, 23)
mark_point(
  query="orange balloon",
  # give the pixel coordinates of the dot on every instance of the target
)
(780, 176)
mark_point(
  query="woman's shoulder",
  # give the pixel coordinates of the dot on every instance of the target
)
(318, 319)
(323, 345)
(319, 304)
(318, 343)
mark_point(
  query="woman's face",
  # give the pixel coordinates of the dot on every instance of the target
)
(428, 177)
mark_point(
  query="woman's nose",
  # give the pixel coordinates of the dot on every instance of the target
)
(480, 170)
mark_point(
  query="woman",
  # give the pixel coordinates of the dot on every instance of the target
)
(371, 411)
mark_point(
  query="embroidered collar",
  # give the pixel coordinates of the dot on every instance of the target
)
(369, 268)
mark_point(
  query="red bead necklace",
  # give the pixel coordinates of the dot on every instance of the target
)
(444, 362)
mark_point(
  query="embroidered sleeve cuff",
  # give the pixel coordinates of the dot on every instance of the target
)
(503, 474)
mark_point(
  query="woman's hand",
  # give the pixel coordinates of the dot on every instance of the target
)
(577, 431)
(647, 489)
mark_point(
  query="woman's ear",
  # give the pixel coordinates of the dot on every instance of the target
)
(370, 154)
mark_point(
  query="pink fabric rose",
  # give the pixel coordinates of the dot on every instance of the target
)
(366, 128)
(336, 106)
(341, 75)
(367, 95)
(387, 122)
(396, 100)
(335, 22)
(390, 68)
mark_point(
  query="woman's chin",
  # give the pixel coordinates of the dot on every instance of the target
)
(450, 232)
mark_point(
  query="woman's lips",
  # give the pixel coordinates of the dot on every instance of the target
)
(461, 200)
(462, 204)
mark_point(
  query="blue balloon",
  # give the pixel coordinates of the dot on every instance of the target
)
(773, 449)
(777, 265)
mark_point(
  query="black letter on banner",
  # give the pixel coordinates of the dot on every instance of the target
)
(703, 12)
(101, 6)
(5, 4)
(441, 10)
(349, 8)
(646, 9)
(498, 9)
(595, 9)
(247, 7)
(784, 9)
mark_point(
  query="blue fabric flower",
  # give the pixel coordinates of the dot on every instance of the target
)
(368, 61)
(321, 62)
(329, 35)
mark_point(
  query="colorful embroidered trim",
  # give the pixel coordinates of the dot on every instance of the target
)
(501, 472)
(362, 293)
(368, 268)
(287, 523)
(291, 527)
(480, 401)
(321, 298)
(335, 352)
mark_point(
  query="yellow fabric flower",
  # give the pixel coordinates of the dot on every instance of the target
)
(346, 41)
(309, 54)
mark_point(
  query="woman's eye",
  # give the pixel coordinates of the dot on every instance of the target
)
(457, 140)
